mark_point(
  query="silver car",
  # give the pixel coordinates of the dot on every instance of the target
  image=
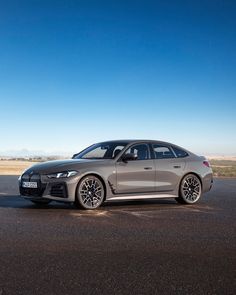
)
(119, 170)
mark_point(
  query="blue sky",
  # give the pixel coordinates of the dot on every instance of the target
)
(76, 72)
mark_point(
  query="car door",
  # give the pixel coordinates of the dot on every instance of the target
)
(169, 168)
(136, 176)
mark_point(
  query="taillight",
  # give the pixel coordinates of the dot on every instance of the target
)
(206, 163)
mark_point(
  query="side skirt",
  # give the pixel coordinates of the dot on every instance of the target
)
(137, 197)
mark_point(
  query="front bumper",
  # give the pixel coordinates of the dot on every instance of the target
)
(53, 189)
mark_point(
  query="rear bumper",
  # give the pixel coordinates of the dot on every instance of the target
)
(207, 182)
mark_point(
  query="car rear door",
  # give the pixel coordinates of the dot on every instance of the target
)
(169, 168)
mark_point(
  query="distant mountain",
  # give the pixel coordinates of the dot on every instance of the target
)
(23, 153)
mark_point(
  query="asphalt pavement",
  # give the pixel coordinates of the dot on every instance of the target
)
(135, 247)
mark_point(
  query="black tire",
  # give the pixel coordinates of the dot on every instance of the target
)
(190, 190)
(90, 193)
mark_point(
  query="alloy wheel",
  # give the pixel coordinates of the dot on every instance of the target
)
(91, 192)
(190, 189)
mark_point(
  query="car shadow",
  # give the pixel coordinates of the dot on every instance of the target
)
(16, 201)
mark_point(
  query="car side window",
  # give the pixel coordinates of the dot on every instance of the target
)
(117, 150)
(179, 153)
(162, 152)
(141, 150)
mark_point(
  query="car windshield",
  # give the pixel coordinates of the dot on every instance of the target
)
(104, 150)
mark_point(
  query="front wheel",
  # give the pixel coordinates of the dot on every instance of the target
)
(90, 193)
(190, 189)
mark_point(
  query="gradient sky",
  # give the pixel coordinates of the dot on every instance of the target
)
(76, 72)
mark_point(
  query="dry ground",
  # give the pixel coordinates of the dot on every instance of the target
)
(14, 167)
(224, 167)
(225, 158)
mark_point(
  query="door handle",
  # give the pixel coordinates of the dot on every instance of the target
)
(147, 168)
(177, 166)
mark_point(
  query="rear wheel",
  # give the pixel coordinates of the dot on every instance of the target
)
(90, 193)
(190, 189)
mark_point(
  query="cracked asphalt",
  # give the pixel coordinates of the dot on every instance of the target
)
(135, 247)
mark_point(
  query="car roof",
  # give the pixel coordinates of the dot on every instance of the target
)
(134, 141)
(138, 141)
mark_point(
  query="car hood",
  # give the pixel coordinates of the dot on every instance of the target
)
(62, 165)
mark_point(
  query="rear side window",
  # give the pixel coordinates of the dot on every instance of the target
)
(162, 152)
(179, 153)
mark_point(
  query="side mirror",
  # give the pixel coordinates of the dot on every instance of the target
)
(129, 157)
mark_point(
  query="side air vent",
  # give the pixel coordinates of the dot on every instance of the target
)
(59, 190)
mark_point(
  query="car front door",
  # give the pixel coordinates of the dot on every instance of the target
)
(136, 176)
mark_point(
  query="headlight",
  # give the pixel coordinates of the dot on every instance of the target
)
(22, 173)
(64, 174)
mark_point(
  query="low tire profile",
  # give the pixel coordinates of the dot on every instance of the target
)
(190, 190)
(90, 193)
